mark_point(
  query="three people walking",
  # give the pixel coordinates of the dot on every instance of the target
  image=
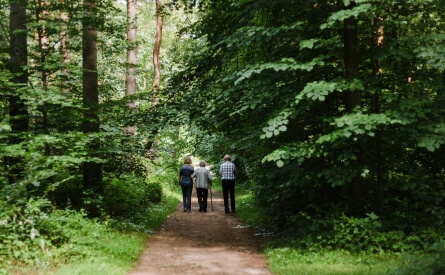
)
(203, 182)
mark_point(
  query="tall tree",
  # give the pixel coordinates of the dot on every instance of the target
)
(130, 79)
(92, 171)
(156, 52)
(64, 46)
(42, 38)
(351, 62)
(18, 113)
(18, 62)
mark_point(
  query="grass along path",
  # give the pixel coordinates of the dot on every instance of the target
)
(104, 250)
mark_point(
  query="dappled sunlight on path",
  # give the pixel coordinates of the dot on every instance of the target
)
(202, 243)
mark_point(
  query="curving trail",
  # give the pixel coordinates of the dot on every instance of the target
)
(202, 243)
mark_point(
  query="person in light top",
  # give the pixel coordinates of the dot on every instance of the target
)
(203, 182)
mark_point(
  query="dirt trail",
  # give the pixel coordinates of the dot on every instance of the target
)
(202, 243)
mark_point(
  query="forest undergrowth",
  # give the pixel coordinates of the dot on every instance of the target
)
(37, 238)
(288, 254)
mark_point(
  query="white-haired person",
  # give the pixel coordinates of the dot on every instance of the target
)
(227, 171)
(203, 182)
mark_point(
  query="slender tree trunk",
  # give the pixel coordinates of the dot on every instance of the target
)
(156, 51)
(65, 51)
(351, 61)
(377, 41)
(92, 171)
(157, 67)
(18, 113)
(130, 79)
(42, 40)
(352, 97)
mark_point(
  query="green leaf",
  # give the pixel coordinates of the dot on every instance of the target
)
(430, 148)
(309, 44)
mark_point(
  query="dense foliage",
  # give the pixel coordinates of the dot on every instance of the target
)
(334, 110)
(43, 192)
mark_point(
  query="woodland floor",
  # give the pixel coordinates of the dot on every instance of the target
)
(202, 243)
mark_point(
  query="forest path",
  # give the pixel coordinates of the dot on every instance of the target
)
(202, 243)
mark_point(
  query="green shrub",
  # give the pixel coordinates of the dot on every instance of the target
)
(129, 194)
(125, 194)
(358, 234)
(34, 234)
(153, 193)
(20, 238)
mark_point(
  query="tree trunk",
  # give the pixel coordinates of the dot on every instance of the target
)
(377, 41)
(42, 41)
(130, 79)
(18, 113)
(19, 59)
(157, 68)
(64, 47)
(351, 61)
(352, 97)
(156, 51)
(92, 171)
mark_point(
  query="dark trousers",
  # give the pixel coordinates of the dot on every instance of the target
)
(187, 197)
(228, 186)
(202, 194)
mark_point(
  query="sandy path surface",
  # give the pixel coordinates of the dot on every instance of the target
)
(202, 243)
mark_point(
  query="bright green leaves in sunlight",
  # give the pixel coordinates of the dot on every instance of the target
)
(433, 141)
(276, 125)
(285, 64)
(432, 48)
(341, 15)
(348, 127)
(318, 90)
(309, 44)
(356, 124)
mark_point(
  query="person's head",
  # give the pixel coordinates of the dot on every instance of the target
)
(187, 160)
(227, 158)
(202, 163)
